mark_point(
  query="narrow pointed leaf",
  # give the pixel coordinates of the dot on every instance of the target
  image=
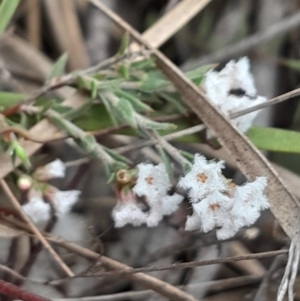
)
(59, 66)
(7, 9)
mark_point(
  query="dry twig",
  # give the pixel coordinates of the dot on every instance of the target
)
(34, 229)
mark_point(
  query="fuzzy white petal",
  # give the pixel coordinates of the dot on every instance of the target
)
(235, 75)
(193, 222)
(226, 232)
(55, 169)
(36, 208)
(64, 200)
(128, 213)
(170, 203)
(203, 178)
(152, 181)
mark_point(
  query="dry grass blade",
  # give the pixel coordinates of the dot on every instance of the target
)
(62, 15)
(171, 22)
(250, 161)
(33, 20)
(34, 229)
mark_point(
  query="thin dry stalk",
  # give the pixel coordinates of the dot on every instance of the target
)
(171, 22)
(62, 15)
(34, 229)
(33, 22)
(246, 44)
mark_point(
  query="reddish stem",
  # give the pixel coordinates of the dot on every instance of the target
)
(13, 291)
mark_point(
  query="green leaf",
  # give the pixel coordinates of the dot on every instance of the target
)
(136, 103)
(275, 140)
(152, 81)
(117, 156)
(83, 82)
(290, 63)
(75, 112)
(121, 109)
(187, 155)
(197, 75)
(7, 9)
(94, 89)
(147, 123)
(9, 99)
(124, 43)
(143, 64)
(124, 71)
(166, 161)
(59, 66)
(16, 151)
(174, 100)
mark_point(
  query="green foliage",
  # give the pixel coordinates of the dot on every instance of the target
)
(275, 140)
(9, 99)
(59, 66)
(17, 152)
(7, 9)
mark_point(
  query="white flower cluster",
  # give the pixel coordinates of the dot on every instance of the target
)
(232, 89)
(153, 183)
(216, 201)
(62, 201)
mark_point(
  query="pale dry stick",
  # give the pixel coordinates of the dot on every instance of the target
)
(210, 286)
(180, 265)
(226, 52)
(168, 137)
(34, 229)
(33, 20)
(67, 31)
(291, 269)
(267, 103)
(18, 276)
(171, 22)
(249, 160)
(74, 31)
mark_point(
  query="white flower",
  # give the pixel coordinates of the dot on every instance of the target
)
(193, 222)
(55, 169)
(64, 200)
(128, 212)
(228, 213)
(170, 203)
(249, 200)
(204, 178)
(214, 211)
(38, 210)
(232, 89)
(161, 206)
(152, 181)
